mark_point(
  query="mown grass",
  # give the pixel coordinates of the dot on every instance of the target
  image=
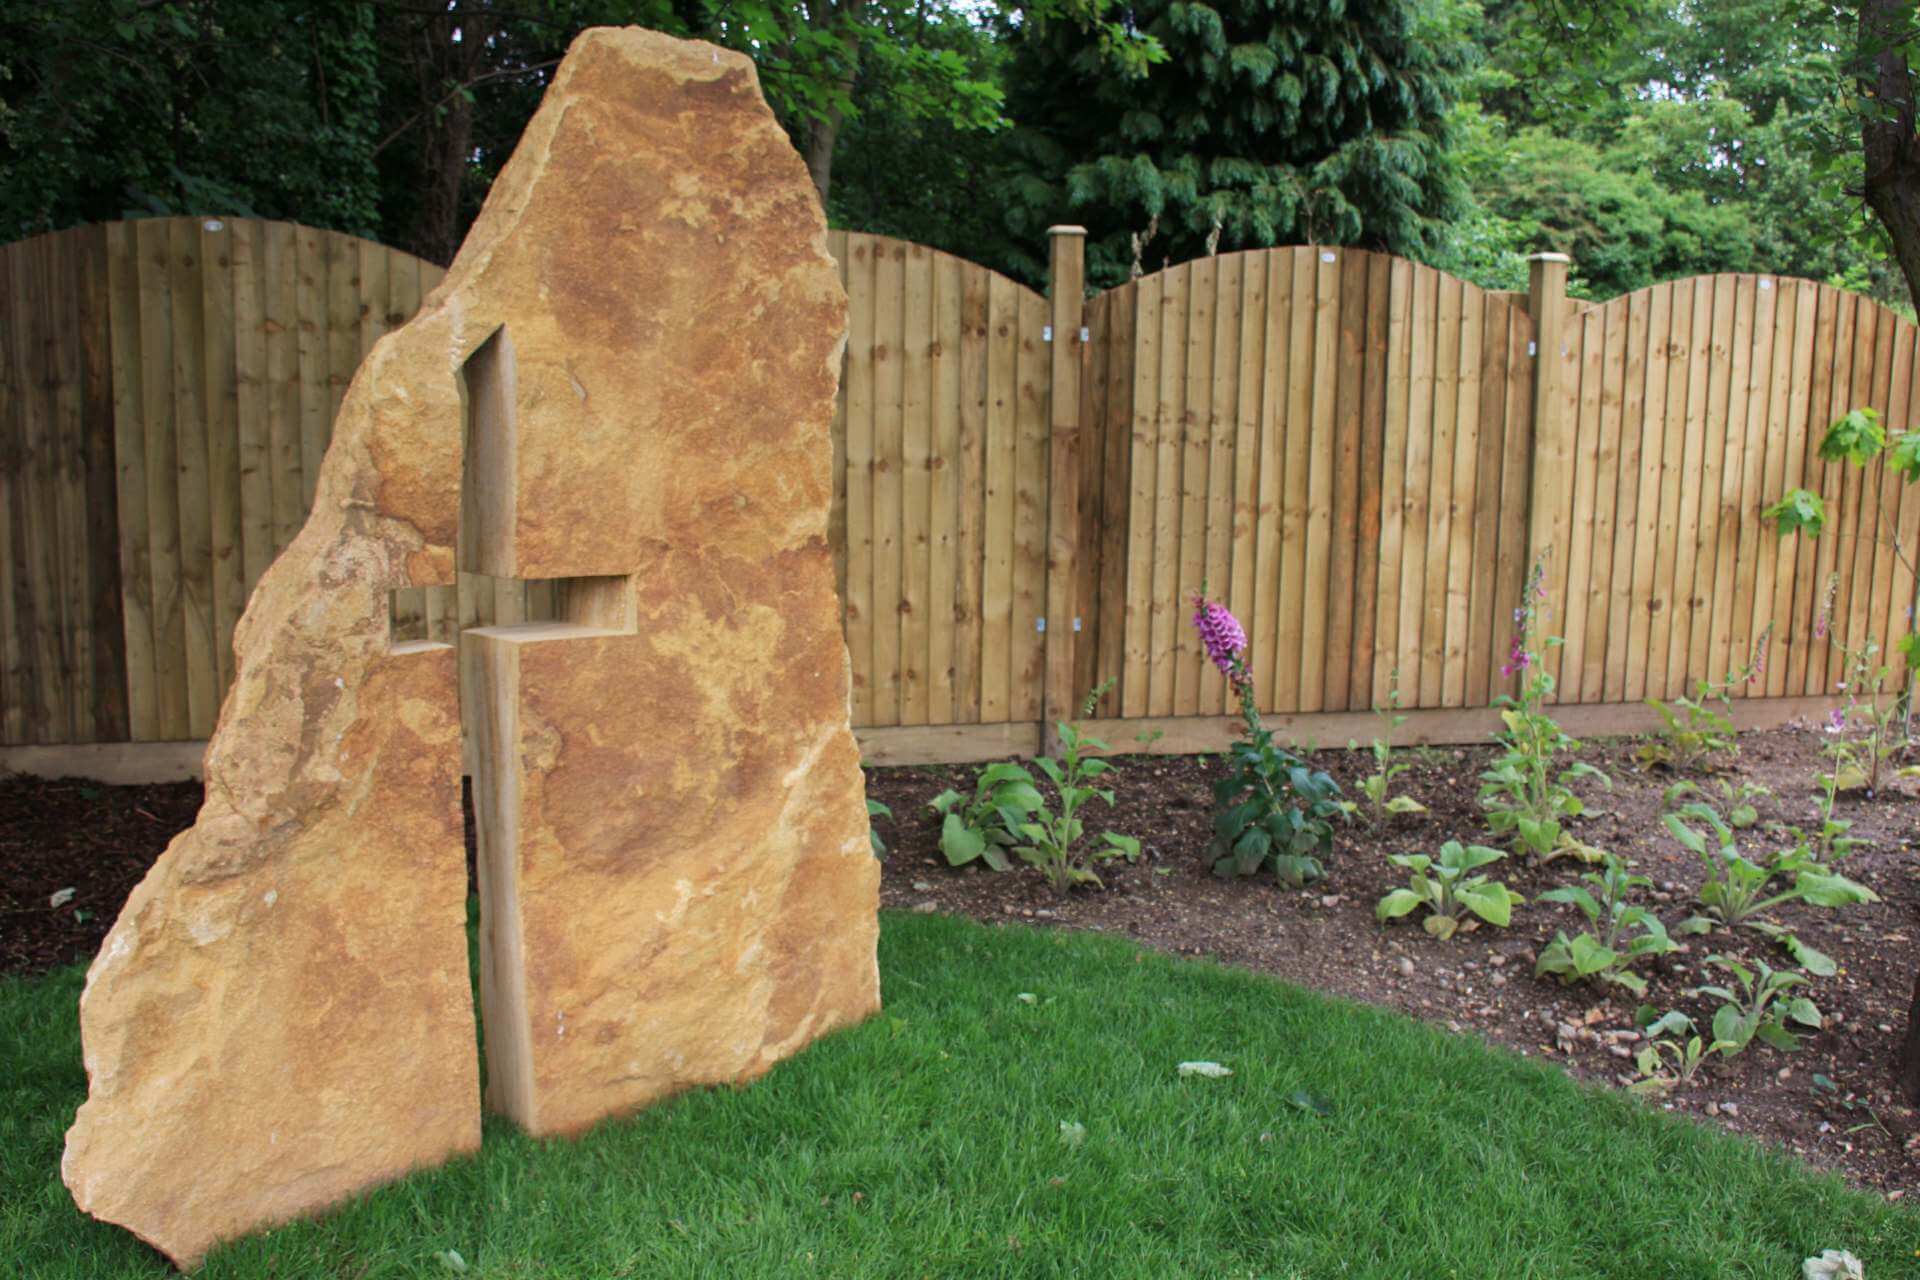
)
(928, 1143)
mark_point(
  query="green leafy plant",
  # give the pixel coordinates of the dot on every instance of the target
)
(877, 810)
(1527, 797)
(988, 824)
(1696, 731)
(1737, 796)
(1674, 1052)
(1620, 933)
(1860, 438)
(1270, 810)
(1449, 889)
(1864, 732)
(1377, 786)
(1050, 839)
(1760, 1009)
(1739, 890)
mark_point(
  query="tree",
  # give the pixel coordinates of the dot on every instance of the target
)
(112, 108)
(1265, 124)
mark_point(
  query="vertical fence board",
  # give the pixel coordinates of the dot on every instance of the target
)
(1269, 529)
(916, 483)
(1196, 437)
(1393, 480)
(970, 533)
(1368, 512)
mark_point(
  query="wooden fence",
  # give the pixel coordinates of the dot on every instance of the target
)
(1357, 452)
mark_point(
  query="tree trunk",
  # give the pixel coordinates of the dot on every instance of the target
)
(821, 138)
(1892, 190)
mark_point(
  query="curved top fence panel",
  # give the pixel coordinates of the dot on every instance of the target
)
(170, 389)
(1692, 406)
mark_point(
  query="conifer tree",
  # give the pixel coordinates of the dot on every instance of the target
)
(1268, 122)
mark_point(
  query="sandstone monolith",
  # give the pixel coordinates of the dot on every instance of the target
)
(624, 386)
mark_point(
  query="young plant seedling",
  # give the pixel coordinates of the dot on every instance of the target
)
(985, 827)
(1761, 1009)
(1626, 933)
(1377, 786)
(1738, 797)
(877, 810)
(1739, 891)
(1697, 732)
(1449, 890)
(1674, 1053)
(1052, 840)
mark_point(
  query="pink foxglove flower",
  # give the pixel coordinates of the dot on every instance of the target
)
(1519, 659)
(1220, 632)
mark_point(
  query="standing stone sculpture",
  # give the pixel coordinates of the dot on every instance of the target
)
(624, 384)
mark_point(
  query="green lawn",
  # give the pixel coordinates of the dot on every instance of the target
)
(928, 1142)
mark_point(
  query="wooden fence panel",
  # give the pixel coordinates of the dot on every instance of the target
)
(1338, 443)
(941, 486)
(1728, 384)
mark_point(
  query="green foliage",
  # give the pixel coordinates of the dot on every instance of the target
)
(1856, 436)
(1739, 890)
(1526, 796)
(1619, 934)
(1866, 732)
(1377, 786)
(1674, 1052)
(1052, 839)
(986, 825)
(1263, 125)
(1761, 1008)
(1449, 890)
(877, 810)
(1692, 732)
(1798, 511)
(1737, 797)
(112, 109)
(1272, 812)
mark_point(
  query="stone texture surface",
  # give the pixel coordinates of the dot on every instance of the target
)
(676, 876)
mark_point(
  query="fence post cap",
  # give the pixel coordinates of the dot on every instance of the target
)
(1066, 229)
(1548, 257)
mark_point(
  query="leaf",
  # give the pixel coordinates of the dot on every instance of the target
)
(1830, 889)
(1441, 927)
(1396, 904)
(1728, 1026)
(1302, 1100)
(1857, 436)
(1250, 850)
(1129, 846)
(1685, 834)
(1817, 963)
(1491, 902)
(1207, 1070)
(1693, 925)
(1589, 957)
(944, 801)
(452, 1261)
(1805, 1012)
(60, 898)
(959, 842)
(1405, 804)
(1026, 997)
(1072, 1133)
(1905, 456)
(1798, 512)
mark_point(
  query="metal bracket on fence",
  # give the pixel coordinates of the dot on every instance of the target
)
(1039, 624)
(1076, 624)
(1046, 333)
(1533, 349)
(1086, 334)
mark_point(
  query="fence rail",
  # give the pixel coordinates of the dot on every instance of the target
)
(1359, 453)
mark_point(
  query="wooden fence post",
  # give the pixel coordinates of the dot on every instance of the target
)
(1066, 289)
(1551, 462)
